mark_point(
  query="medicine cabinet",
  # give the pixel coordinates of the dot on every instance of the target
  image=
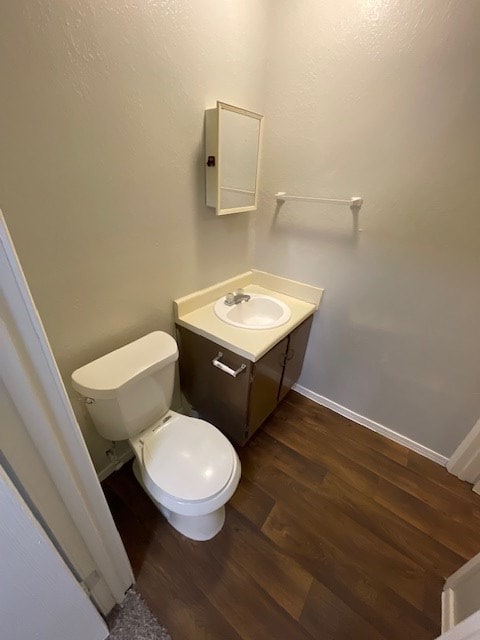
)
(232, 146)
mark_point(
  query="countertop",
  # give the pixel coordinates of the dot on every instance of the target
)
(248, 343)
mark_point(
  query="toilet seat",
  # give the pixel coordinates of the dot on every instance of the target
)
(187, 459)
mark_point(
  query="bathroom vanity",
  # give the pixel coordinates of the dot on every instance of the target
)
(234, 376)
(239, 404)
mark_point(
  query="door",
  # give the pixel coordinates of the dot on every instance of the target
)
(265, 386)
(297, 346)
(39, 597)
(218, 391)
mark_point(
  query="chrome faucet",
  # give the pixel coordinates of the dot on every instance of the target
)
(236, 298)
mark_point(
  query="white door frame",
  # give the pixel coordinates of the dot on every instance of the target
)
(465, 460)
(468, 576)
(33, 381)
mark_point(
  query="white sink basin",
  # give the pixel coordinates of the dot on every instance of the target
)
(260, 312)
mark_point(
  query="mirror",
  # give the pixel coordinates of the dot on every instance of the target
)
(232, 149)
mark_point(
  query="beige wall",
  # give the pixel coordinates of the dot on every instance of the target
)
(101, 160)
(102, 182)
(381, 99)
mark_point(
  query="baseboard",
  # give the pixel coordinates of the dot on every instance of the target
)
(114, 465)
(371, 424)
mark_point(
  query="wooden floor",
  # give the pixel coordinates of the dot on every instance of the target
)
(334, 533)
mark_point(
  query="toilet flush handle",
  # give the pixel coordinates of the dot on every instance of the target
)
(226, 369)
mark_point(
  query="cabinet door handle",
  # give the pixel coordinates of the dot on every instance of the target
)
(289, 355)
(223, 367)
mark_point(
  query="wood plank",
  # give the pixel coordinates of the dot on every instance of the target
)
(417, 485)
(309, 411)
(252, 612)
(275, 572)
(436, 473)
(419, 546)
(366, 595)
(462, 540)
(454, 508)
(252, 502)
(319, 451)
(410, 541)
(341, 538)
(265, 449)
(326, 616)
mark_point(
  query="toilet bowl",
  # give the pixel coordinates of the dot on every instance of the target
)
(186, 465)
(190, 470)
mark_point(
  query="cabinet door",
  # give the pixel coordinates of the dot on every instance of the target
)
(219, 397)
(266, 381)
(295, 354)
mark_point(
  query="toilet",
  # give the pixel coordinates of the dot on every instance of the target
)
(186, 465)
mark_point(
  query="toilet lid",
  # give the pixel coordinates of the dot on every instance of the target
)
(188, 458)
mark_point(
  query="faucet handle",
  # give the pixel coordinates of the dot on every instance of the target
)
(239, 291)
(229, 298)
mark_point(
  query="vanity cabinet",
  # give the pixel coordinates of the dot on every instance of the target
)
(297, 343)
(238, 404)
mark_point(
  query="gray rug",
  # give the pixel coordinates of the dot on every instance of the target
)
(133, 620)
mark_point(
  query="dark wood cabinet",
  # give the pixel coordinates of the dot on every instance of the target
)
(297, 345)
(238, 404)
(265, 383)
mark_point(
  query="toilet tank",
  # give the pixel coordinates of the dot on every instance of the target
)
(130, 388)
